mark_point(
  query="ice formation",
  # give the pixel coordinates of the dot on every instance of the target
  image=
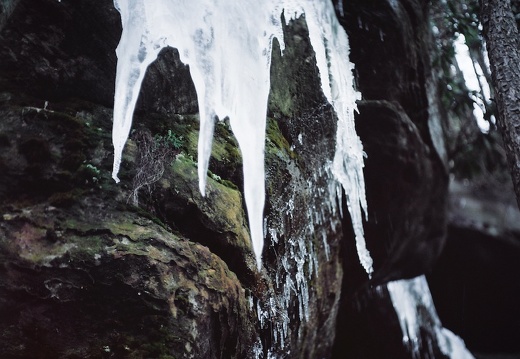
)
(299, 266)
(475, 81)
(227, 45)
(413, 304)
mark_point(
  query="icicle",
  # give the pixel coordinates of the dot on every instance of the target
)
(414, 306)
(135, 52)
(228, 48)
(330, 43)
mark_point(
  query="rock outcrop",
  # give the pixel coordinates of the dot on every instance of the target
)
(150, 268)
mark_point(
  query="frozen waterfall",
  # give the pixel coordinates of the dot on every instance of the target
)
(227, 45)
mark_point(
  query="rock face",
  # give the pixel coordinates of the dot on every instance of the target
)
(408, 215)
(405, 171)
(472, 283)
(407, 180)
(151, 269)
(6, 9)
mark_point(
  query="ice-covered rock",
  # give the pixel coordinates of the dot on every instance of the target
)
(228, 48)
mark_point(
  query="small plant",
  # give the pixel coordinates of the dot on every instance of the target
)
(94, 171)
(93, 168)
(215, 177)
(171, 139)
(153, 153)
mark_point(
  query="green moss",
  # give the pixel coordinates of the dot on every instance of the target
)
(88, 248)
(66, 199)
(192, 139)
(88, 241)
(180, 131)
(275, 135)
(222, 181)
(281, 100)
(183, 163)
(276, 142)
(225, 147)
(229, 184)
(88, 174)
(171, 139)
(146, 214)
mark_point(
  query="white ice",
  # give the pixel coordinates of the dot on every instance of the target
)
(474, 80)
(414, 306)
(227, 45)
(331, 45)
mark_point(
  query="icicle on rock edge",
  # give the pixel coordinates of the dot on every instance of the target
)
(337, 85)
